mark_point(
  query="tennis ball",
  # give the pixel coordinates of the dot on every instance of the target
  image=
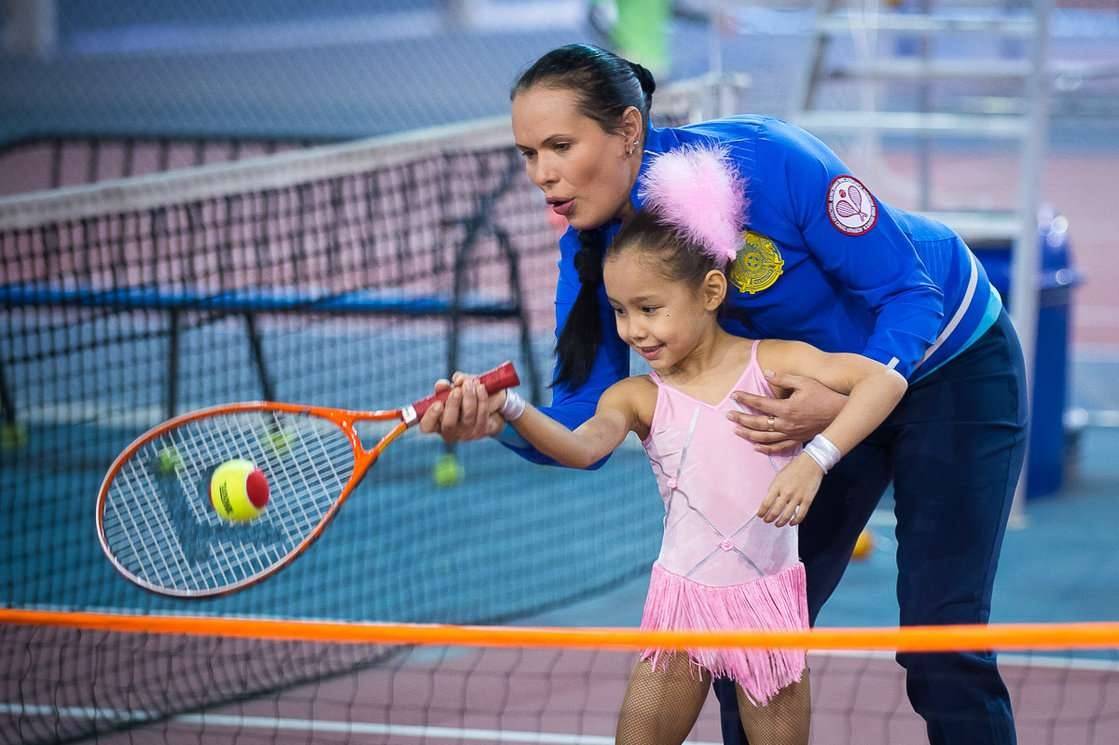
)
(863, 545)
(12, 436)
(279, 441)
(448, 471)
(168, 460)
(238, 490)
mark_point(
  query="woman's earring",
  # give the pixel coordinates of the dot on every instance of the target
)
(630, 148)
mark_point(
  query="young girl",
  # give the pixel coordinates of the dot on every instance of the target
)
(729, 554)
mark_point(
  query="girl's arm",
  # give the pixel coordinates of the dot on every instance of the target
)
(873, 391)
(571, 406)
(615, 417)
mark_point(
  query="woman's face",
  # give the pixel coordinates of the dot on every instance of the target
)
(584, 171)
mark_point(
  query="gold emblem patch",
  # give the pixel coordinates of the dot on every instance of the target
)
(758, 264)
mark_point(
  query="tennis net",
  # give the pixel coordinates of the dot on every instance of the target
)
(448, 684)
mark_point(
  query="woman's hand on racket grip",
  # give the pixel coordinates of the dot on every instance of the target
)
(791, 492)
(469, 413)
(804, 409)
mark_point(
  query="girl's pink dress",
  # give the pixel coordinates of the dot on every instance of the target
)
(720, 566)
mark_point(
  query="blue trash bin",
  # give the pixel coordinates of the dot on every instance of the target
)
(1045, 468)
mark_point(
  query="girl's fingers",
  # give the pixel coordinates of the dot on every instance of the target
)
(763, 508)
(799, 516)
(788, 514)
(775, 509)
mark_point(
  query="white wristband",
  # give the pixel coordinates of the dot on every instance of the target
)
(823, 451)
(513, 407)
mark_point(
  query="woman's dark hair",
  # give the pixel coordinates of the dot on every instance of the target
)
(605, 86)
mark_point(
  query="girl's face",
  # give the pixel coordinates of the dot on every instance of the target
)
(664, 320)
(584, 171)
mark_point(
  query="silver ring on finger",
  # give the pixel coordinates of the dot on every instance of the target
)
(771, 421)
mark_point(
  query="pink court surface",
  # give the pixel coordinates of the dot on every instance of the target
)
(571, 697)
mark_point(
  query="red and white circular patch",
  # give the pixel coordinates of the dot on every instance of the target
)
(851, 206)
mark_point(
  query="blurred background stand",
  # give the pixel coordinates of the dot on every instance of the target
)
(32, 28)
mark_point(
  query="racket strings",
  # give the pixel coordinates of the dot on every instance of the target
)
(160, 526)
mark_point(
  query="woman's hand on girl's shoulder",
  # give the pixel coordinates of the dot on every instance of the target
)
(803, 406)
(805, 409)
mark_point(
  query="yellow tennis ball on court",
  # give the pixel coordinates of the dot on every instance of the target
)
(278, 442)
(863, 545)
(238, 490)
(168, 461)
(448, 471)
(12, 436)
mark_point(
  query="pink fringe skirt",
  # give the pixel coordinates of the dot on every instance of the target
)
(778, 601)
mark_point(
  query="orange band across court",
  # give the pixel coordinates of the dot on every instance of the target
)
(1036, 636)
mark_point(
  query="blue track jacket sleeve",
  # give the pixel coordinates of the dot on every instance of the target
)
(880, 264)
(573, 406)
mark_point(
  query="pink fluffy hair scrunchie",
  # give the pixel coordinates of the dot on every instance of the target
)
(697, 191)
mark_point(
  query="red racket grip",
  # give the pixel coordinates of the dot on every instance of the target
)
(498, 379)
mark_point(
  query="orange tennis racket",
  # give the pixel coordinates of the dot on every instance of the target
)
(155, 520)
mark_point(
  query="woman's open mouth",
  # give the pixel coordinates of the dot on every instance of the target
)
(562, 208)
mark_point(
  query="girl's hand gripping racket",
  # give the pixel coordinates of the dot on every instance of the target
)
(160, 527)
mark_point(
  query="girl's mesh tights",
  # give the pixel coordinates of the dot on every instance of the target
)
(661, 707)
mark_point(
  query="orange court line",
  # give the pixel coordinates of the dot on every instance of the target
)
(1101, 635)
